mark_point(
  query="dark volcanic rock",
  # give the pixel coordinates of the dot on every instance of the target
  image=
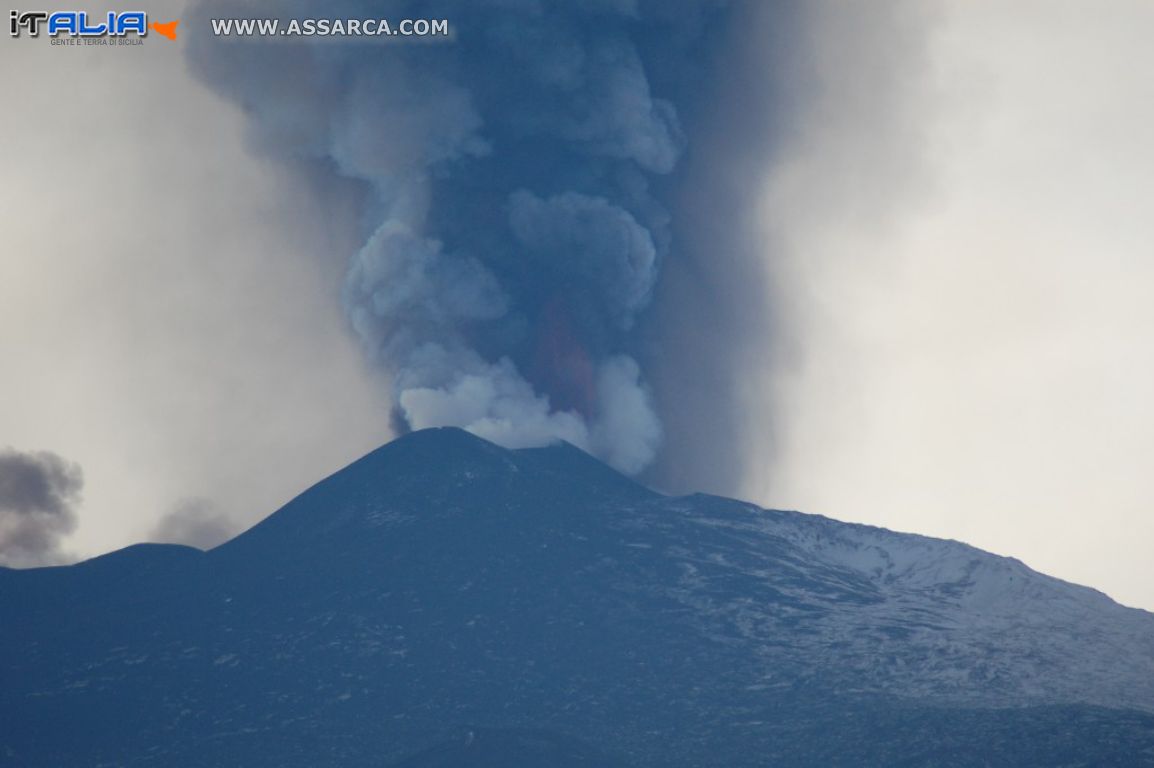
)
(562, 615)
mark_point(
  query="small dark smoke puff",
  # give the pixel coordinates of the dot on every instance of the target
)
(513, 231)
(38, 493)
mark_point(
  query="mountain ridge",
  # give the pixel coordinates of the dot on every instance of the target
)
(442, 586)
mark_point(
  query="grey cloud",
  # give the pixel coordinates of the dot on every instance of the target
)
(38, 494)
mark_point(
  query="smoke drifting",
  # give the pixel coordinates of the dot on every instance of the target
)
(196, 522)
(38, 492)
(518, 186)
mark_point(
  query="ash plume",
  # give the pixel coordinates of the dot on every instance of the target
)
(518, 186)
(38, 495)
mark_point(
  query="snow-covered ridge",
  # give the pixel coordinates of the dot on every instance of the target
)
(943, 619)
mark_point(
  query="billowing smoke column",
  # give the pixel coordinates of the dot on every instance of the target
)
(512, 235)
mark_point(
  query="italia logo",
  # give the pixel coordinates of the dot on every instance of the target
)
(83, 24)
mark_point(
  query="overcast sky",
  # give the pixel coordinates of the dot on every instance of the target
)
(162, 323)
(963, 249)
(957, 230)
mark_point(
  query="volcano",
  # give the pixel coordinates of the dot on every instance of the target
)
(446, 602)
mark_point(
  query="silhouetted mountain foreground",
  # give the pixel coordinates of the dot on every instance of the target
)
(444, 603)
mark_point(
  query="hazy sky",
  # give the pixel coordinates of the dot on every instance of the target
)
(962, 241)
(160, 323)
(956, 230)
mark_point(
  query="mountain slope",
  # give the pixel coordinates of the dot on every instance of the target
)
(444, 601)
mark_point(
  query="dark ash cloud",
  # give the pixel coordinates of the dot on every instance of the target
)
(196, 522)
(520, 189)
(38, 494)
